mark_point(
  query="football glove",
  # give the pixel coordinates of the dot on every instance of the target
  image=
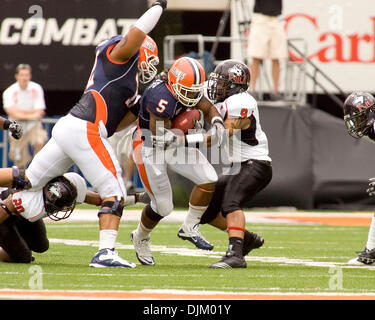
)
(371, 191)
(199, 124)
(162, 3)
(217, 133)
(166, 139)
(15, 128)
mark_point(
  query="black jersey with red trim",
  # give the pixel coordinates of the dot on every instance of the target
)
(159, 100)
(111, 90)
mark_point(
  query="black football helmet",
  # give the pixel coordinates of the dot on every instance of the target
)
(59, 197)
(359, 113)
(229, 77)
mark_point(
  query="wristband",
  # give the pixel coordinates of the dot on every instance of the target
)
(194, 138)
(217, 119)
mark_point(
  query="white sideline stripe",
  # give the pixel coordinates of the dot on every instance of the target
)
(183, 251)
(261, 217)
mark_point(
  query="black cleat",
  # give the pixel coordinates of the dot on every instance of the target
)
(251, 241)
(366, 257)
(230, 260)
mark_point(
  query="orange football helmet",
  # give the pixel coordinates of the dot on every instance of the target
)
(148, 60)
(186, 78)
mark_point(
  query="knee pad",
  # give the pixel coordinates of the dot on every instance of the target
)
(151, 214)
(115, 207)
(19, 179)
(164, 207)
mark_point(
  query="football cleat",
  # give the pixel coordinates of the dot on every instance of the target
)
(110, 258)
(230, 260)
(251, 241)
(194, 236)
(366, 257)
(142, 249)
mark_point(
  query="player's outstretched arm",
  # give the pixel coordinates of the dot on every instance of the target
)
(211, 115)
(132, 41)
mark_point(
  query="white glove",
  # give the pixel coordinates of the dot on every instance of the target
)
(217, 133)
(199, 124)
(371, 191)
(166, 139)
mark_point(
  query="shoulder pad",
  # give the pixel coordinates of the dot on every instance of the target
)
(240, 105)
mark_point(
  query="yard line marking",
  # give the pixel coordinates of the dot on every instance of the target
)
(255, 217)
(182, 251)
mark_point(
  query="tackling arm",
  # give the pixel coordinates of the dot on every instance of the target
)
(130, 43)
(211, 115)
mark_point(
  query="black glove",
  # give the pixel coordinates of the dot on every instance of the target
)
(162, 3)
(15, 128)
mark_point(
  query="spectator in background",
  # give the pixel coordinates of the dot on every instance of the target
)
(267, 40)
(24, 101)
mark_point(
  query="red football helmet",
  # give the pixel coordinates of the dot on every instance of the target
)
(186, 78)
(148, 59)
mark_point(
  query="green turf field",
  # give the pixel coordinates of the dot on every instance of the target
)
(295, 258)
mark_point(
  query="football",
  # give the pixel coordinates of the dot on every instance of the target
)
(185, 120)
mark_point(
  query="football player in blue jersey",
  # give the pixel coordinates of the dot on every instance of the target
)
(156, 148)
(107, 105)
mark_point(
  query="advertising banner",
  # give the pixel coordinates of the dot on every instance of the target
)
(58, 38)
(339, 37)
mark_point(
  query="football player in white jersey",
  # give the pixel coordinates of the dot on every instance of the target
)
(248, 151)
(359, 117)
(22, 229)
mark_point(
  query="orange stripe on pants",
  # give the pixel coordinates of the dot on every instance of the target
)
(99, 148)
(137, 147)
(93, 134)
(101, 107)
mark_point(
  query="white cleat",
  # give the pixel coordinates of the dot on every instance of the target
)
(142, 249)
(109, 258)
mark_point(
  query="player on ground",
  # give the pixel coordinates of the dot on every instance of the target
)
(359, 117)
(106, 105)
(227, 87)
(153, 152)
(22, 229)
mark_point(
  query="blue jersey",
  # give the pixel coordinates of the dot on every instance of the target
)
(159, 100)
(111, 89)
